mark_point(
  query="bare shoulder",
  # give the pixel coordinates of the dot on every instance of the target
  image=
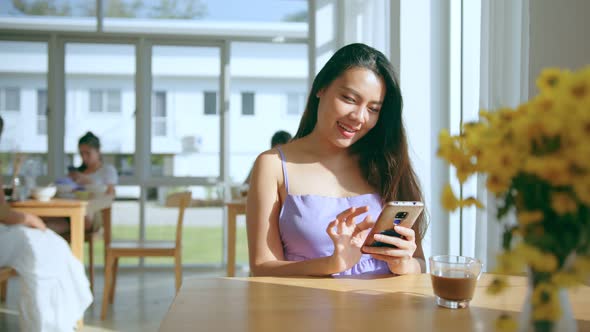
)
(268, 163)
(294, 150)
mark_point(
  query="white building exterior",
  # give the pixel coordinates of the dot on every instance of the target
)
(268, 80)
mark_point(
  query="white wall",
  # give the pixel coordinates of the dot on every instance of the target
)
(558, 36)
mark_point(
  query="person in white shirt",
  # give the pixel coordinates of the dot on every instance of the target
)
(92, 172)
(54, 289)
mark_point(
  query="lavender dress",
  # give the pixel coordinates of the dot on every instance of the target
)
(303, 221)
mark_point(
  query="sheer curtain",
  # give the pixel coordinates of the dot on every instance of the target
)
(365, 22)
(504, 82)
(341, 22)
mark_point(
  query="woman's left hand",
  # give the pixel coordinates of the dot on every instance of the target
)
(400, 260)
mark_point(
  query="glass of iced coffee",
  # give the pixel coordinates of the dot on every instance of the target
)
(453, 279)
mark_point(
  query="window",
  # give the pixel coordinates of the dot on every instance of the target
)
(10, 99)
(210, 102)
(159, 113)
(95, 101)
(247, 103)
(113, 101)
(295, 103)
(105, 101)
(23, 74)
(42, 112)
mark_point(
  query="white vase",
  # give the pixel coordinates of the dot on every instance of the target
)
(567, 322)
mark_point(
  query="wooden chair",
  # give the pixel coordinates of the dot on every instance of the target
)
(118, 249)
(5, 274)
(90, 236)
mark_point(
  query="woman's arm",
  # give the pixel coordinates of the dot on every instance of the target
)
(110, 189)
(10, 217)
(111, 179)
(262, 220)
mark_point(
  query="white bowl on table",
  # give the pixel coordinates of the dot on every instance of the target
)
(43, 194)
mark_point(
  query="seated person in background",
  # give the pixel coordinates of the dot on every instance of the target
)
(54, 289)
(279, 138)
(92, 172)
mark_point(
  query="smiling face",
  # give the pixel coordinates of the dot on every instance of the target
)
(349, 107)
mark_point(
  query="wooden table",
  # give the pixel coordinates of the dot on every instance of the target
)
(73, 209)
(234, 208)
(404, 303)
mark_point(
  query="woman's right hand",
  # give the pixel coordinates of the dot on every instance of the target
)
(348, 236)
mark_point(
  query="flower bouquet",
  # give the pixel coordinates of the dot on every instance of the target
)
(536, 160)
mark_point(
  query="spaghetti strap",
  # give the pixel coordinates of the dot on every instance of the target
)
(284, 163)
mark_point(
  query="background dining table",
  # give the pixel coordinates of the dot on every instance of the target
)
(74, 209)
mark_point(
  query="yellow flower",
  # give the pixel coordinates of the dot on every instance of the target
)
(497, 286)
(576, 275)
(548, 311)
(546, 302)
(576, 90)
(545, 263)
(530, 217)
(548, 80)
(505, 323)
(444, 141)
(582, 265)
(535, 258)
(501, 162)
(497, 184)
(544, 293)
(449, 200)
(563, 203)
(510, 262)
(470, 201)
(565, 279)
(582, 189)
(464, 168)
(577, 153)
(553, 168)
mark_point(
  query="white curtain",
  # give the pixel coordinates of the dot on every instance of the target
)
(362, 21)
(341, 22)
(504, 82)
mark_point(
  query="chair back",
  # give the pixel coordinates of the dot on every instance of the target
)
(182, 200)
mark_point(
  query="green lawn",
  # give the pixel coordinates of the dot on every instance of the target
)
(200, 245)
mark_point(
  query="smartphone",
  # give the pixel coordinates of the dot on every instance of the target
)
(72, 169)
(402, 213)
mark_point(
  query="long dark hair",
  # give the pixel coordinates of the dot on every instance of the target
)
(92, 141)
(383, 151)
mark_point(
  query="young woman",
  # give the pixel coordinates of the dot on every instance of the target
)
(348, 158)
